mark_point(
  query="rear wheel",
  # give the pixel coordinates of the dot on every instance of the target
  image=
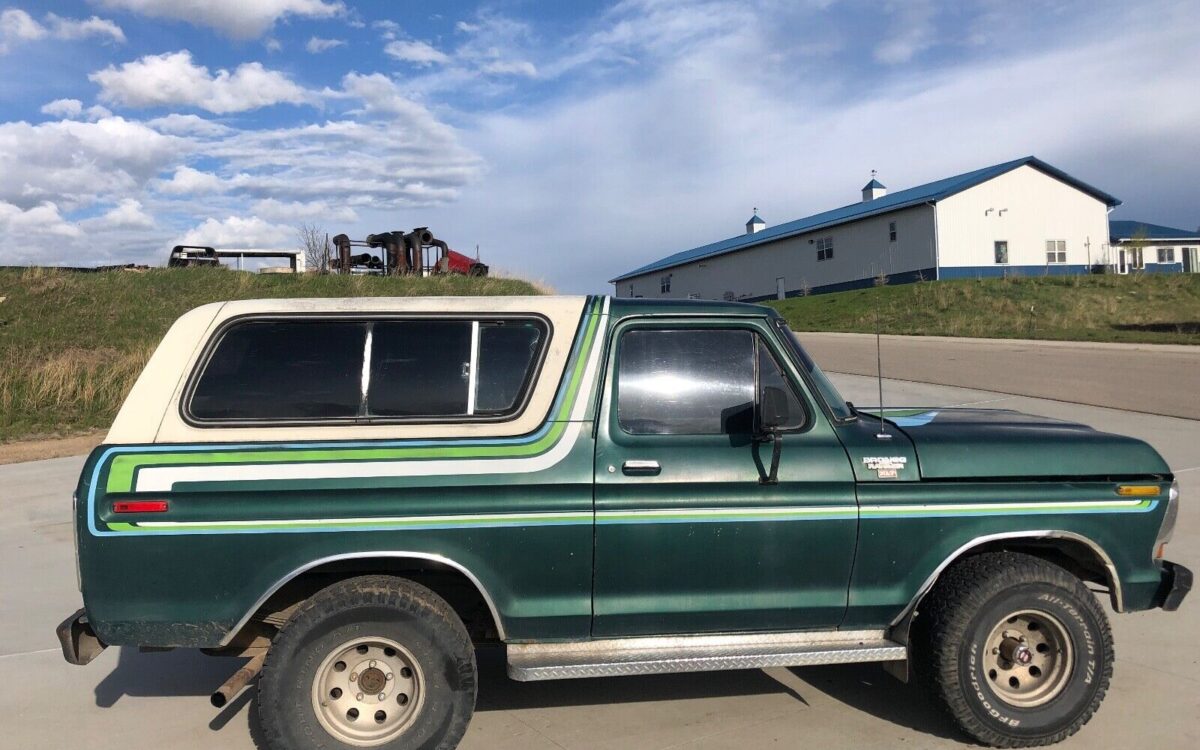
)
(375, 662)
(1017, 650)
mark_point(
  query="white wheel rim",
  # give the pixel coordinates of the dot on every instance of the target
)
(368, 691)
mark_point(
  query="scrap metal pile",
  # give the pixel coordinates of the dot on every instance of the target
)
(415, 253)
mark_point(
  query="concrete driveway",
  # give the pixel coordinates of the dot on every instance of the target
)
(126, 699)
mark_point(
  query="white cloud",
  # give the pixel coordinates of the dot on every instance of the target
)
(79, 28)
(172, 79)
(177, 124)
(188, 181)
(17, 25)
(511, 68)
(388, 29)
(127, 214)
(293, 212)
(71, 163)
(317, 45)
(271, 44)
(19, 226)
(911, 33)
(418, 53)
(240, 19)
(238, 231)
(65, 108)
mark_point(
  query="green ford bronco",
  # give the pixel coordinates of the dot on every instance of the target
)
(354, 493)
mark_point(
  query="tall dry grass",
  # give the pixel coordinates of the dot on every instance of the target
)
(64, 391)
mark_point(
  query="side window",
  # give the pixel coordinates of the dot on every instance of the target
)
(771, 375)
(508, 353)
(685, 382)
(696, 382)
(288, 371)
(419, 368)
(283, 370)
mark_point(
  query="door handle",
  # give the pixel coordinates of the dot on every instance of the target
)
(635, 468)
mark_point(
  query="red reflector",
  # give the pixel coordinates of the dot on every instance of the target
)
(140, 506)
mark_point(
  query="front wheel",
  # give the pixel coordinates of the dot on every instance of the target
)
(1016, 649)
(376, 662)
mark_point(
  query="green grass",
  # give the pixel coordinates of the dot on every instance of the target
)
(1153, 308)
(71, 344)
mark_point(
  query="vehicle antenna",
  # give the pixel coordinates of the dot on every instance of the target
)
(883, 433)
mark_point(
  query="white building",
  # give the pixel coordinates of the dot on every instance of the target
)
(1023, 217)
(1138, 246)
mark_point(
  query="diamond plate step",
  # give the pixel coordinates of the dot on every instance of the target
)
(697, 653)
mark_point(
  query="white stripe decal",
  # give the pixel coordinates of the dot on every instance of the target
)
(164, 478)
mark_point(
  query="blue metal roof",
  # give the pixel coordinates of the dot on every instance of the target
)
(874, 183)
(1127, 230)
(931, 192)
(755, 220)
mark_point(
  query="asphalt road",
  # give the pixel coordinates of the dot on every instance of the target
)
(130, 700)
(1150, 378)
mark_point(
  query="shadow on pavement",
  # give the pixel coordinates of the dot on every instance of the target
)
(864, 688)
(169, 673)
(867, 688)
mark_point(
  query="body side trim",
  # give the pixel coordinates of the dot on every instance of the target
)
(426, 556)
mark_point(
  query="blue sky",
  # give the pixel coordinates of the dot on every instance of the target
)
(570, 141)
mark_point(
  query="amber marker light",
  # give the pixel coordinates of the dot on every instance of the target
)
(1138, 490)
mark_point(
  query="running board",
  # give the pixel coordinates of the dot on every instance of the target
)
(697, 653)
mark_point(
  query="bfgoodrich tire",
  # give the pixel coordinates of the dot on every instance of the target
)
(374, 662)
(1017, 650)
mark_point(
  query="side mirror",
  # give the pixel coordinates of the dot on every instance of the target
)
(772, 414)
(772, 409)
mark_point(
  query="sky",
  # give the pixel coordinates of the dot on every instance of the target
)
(572, 141)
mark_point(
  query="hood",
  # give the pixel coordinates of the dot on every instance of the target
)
(986, 443)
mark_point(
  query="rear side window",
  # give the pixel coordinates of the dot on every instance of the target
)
(313, 370)
(419, 368)
(508, 353)
(290, 370)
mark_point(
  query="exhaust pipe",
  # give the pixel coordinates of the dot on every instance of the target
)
(234, 684)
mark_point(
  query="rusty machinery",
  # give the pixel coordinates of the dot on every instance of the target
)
(403, 253)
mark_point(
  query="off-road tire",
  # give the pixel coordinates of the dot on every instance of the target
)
(395, 609)
(959, 614)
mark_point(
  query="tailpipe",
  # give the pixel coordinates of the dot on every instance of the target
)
(235, 683)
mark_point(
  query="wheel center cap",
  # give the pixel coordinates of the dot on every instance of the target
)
(1015, 651)
(372, 680)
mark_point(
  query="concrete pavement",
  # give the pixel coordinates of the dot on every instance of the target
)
(1157, 379)
(126, 699)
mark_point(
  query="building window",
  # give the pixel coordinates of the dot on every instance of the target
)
(1136, 261)
(1166, 255)
(1001, 249)
(664, 284)
(825, 248)
(1056, 251)
(891, 231)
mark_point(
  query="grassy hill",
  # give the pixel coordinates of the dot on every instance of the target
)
(71, 344)
(1153, 308)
